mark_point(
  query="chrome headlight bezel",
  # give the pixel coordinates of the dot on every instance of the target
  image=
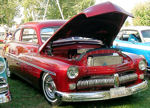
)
(72, 72)
(142, 65)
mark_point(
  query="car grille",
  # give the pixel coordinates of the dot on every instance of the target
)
(124, 78)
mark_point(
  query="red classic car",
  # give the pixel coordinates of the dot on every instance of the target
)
(73, 61)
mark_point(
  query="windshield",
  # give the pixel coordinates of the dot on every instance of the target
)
(48, 32)
(146, 35)
(78, 39)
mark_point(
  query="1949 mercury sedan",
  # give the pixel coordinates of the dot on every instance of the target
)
(76, 62)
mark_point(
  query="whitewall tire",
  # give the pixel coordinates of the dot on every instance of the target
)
(49, 88)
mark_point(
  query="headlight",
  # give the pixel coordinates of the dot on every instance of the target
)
(72, 72)
(142, 65)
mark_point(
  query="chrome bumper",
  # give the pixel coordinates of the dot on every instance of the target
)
(102, 95)
(4, 94)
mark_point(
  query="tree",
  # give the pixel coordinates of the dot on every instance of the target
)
(69, 8)
(127, 23)
(34, 9)
(141, 13)
(8, 10)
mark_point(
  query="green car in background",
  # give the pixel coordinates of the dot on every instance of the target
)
(4, 88)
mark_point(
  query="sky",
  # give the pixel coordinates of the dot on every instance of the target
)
(128, 5)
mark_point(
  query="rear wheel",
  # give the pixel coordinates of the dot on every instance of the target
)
(49, 88)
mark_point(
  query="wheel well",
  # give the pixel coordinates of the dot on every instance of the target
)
(40, 80)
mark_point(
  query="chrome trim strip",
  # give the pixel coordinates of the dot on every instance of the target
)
(101, 95)
(17, 58)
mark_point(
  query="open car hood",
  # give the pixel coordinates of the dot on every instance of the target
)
(100, 22)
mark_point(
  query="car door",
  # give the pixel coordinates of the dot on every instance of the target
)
(129, 41)
(11, 53)
(29, 49)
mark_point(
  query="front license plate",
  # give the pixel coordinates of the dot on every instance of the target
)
(118, 92)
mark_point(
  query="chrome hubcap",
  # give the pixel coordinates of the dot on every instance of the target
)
(49, 87)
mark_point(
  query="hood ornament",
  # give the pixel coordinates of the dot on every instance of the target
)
(116, 80)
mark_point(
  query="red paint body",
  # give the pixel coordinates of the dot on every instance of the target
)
(29, 60)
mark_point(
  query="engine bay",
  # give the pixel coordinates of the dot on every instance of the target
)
(76, 48)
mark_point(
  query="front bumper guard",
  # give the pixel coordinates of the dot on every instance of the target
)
(102, 95)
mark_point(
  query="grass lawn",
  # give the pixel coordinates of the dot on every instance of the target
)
(25, 96)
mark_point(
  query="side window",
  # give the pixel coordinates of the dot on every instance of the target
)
(29, 35)
(130, 35)
(47, 32)
(17, 35)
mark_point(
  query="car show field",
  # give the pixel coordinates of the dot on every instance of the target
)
(92, 57)
(76, 62)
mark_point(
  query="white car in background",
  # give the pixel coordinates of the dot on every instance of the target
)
(135, 40)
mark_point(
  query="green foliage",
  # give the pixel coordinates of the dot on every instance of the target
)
(141, 13)
(126, 23)
(8, 10)
(69, 8)
(34, 9)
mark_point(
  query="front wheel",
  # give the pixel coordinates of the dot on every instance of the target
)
(49, 88)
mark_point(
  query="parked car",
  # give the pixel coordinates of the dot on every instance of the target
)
(135, 39)
(4, 87)
(77, 62)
